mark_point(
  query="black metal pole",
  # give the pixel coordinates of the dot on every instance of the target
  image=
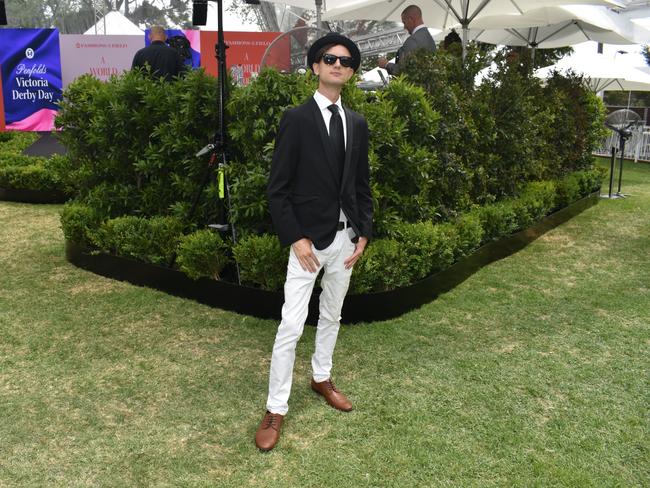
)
(220, 53)
(221, 136)
(620, 169)
(611, 171)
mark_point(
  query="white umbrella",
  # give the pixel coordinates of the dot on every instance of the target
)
(445, 14)
(553, 27)
(602, 72)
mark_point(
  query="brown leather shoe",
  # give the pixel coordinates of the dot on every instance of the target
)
(268, 433)
(332, 396)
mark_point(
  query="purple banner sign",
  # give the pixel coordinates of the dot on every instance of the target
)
(31, 77)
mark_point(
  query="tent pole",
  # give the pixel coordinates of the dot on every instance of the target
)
(319, 6)
(465, 32)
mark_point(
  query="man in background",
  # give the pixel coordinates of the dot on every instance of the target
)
(419, 38)
(163, 61)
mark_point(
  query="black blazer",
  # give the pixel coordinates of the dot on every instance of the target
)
(164, 60)
(304, 192)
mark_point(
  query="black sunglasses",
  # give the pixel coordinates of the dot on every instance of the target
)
(346, 61)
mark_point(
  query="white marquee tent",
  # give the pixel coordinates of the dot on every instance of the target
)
(114, 23)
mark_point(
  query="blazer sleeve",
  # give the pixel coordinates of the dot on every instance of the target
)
(362, 183)
(283, 165)
(408, 46)
(421, 39)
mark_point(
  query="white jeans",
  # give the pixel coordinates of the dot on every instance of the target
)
(297, 292)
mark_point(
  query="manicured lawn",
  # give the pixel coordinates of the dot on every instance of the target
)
(533, 372)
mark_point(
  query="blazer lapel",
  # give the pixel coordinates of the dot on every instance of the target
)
(348, 146)
(325, 140)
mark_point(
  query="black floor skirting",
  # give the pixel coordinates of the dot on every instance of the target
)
(32, 196)
(357, 308)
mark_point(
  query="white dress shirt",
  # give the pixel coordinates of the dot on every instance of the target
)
(324, 102)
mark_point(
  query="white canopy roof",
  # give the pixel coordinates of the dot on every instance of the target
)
(115, 23)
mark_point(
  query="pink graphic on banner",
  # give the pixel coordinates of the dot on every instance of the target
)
(43, 120)
(194, 36)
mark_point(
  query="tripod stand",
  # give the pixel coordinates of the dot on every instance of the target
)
(217, 149)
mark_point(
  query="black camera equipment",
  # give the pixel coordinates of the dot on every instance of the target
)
(622, 122)
(181, 45)
(3, 13)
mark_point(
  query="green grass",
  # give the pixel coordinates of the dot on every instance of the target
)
(532, 373)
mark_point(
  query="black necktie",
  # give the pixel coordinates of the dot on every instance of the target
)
(336, 137)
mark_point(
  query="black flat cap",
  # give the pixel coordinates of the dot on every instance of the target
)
(334, 38)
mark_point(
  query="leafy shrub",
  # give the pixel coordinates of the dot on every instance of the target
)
(591, 180)
(59, 168)
(112, 199)
(426, 247)
(202, 253)
(31, 177)
(262, 261)
(136, 137)
(469, 234)
(380, 268)
(535, 202)
(151, 240)
(14, 142)
(578, 124)
(79, 223)
(497, 220)
(568, 190)
(509, 95)
(22, 172)
(17, 160)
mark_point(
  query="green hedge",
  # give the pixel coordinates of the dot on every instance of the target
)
(21, 172)
(202, 254)
(417, 250)
(152, 240)
(131, 143)
(262, 261)
(412, 251)
(79, 223)
(15, 142)
(453, 165)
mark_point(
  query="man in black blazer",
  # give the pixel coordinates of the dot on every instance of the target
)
(163, 60)
(320, 202)
(420, 38)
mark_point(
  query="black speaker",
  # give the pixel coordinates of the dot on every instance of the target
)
(3, 13)
(199, 12)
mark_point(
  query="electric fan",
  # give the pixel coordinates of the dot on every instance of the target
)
(623, 122)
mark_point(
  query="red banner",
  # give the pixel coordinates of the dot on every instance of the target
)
(243, 56)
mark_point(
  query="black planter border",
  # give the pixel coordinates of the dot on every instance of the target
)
(357, 308)
(32, 196)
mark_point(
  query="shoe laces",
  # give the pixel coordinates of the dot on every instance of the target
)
(331, 386)
(271, 420)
